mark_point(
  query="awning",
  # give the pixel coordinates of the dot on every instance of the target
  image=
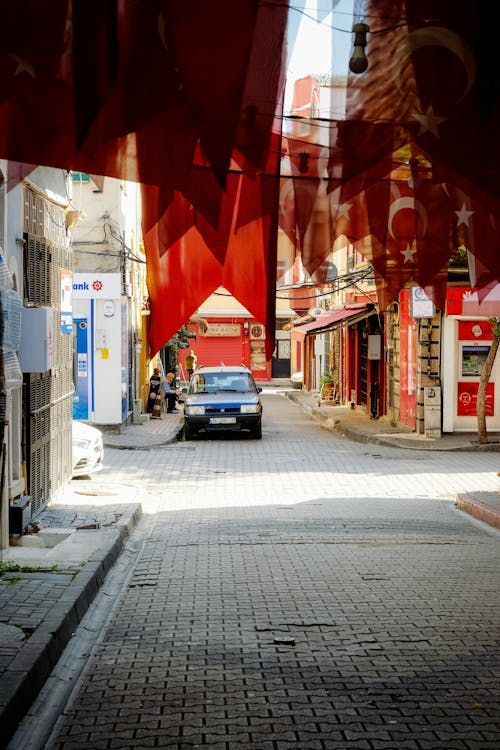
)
(327, 321)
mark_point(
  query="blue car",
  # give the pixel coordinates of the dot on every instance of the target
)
(223, 399)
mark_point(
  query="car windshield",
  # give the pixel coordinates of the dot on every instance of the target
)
(238, 382)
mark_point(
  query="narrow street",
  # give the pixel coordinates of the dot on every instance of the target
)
(303, 591)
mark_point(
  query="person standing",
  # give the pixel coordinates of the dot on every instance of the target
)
(171, 393)
(154, 387)
(191, 360)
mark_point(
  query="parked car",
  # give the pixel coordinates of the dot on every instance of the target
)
(221, 399)
(88, 450)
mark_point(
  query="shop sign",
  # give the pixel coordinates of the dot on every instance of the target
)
(421, 305)
(96, 285)
(66, 301)
(455, 296)
(467, 399)
(223, 329)
(471, 330)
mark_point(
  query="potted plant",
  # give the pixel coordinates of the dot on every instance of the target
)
(327, 387)
(326, 380)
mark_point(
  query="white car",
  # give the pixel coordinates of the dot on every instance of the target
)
(88, 449)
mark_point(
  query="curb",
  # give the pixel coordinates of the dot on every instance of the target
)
(29, 670)
(478, 509)
(173, 438)
(391, 441)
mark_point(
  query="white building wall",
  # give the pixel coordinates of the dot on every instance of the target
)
(106, 241)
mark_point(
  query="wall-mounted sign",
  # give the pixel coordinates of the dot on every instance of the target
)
(223, 329)
(472, 330)
(467, 399)
(66, 301)
(421, 306)
(97, 286)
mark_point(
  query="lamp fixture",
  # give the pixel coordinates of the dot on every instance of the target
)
(358, 62)
(303, 162)
(246, 327)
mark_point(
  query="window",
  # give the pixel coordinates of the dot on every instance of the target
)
(80, 177)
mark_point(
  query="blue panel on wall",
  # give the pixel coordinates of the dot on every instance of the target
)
(81, 397)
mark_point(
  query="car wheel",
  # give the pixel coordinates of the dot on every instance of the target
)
(257, 432)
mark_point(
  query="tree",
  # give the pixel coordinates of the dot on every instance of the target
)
(170, 351)
(482, 434)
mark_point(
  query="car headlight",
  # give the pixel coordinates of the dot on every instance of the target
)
(250, 408)
(194, 410)
(80, 443)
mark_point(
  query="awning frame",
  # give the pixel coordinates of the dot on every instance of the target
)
(345, 316)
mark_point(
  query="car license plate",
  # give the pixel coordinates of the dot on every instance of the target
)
(222, 420)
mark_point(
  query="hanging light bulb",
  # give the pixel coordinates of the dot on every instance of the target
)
(358, 62)
(303, 162)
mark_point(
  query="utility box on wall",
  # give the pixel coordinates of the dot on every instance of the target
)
(432, 411)
(374, 346)
(36, 350)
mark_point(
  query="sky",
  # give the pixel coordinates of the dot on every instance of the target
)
(312, 48)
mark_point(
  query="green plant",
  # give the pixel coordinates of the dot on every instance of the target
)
(326, 378)
(10, 567)
(459, 256)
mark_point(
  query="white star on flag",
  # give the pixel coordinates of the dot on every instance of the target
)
(23, 66)
(343, 210)
(429, 122)
(463, 215)
(408, 254)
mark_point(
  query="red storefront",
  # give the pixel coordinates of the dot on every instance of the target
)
(234, 342)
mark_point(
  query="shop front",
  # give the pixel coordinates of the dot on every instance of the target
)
(467, 337)
(239, 341)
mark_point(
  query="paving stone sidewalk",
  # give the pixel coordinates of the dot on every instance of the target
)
(44, 594)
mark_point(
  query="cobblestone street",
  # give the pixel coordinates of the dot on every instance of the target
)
(300, 592)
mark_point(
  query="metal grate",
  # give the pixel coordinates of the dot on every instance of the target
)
(48, 396)
(38, 428)
(37, 271)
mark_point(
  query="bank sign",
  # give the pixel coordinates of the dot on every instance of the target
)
(96, 286)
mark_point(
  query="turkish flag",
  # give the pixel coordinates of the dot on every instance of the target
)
(178, 282)
(16, 172)
(95, 23)
(251, 261)
(409, 237)
(183, 270)
(457, 105)
(307, 218)
(264, 91)
(478, 229)
(377, 107)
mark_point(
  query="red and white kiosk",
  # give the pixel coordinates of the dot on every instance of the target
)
(466, 340)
